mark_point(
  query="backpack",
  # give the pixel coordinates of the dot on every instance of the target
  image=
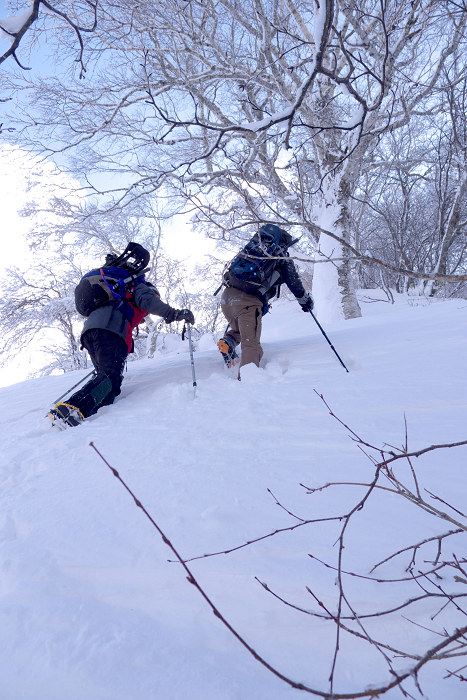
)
(112, 282)
(103, 286)
(252, 270)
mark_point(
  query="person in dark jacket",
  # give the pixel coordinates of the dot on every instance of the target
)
(107, 335)
(244, 311)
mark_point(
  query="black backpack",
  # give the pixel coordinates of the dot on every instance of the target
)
(252, 270)
(111, 283)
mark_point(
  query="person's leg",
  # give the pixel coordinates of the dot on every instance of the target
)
(231, 337)
(108, 354)
(244, 313)
(249, 323)
(230, 300)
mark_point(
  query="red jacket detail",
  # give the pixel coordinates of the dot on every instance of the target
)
(138, 317)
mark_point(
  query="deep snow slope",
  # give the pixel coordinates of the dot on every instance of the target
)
(90, 606)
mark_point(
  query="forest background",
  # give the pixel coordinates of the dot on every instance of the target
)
(343, 121)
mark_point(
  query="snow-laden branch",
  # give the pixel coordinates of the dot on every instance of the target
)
(14, 28)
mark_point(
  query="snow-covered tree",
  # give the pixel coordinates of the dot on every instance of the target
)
(417, 188)
(78, 17)
(242, 113)
(37, 311)
(66, 237)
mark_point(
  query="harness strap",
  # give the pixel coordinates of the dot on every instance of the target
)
(121, 285)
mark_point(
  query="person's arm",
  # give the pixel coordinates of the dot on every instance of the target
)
(148, 298)
(294, 283)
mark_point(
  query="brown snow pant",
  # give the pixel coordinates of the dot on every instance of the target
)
(244, 313)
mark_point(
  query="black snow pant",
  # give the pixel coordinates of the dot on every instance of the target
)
(108, 353)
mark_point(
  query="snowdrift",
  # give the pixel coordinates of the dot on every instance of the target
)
(90, 606)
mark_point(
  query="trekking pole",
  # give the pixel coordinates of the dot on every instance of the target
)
(332, 346)
(74, 385)
(190, 344)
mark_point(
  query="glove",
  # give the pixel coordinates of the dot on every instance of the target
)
(306, 303)
(185, 315)
(179, 315)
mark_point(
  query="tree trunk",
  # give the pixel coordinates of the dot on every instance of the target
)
(333, 281)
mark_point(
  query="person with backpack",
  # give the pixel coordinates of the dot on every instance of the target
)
(115, 299)
(254, 277)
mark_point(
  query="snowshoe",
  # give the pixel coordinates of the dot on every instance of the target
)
(64, 415)
(226, 346)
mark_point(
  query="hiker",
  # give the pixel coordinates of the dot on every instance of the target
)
(251, 280)
(115, 299)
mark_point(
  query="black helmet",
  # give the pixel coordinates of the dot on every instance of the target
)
(134, 258)
(273, 230)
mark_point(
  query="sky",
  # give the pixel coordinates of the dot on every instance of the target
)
(92, 605)
(13, 184)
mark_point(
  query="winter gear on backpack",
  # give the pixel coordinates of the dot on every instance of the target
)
(254, 268)
(103, 286)
(64, 415)
(227, 347)
(179, 315)
(134, 258)
(275, 271)
(306, 303)
(113, 282)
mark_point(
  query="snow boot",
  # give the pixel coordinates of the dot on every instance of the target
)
(227, 346)
(64, 415)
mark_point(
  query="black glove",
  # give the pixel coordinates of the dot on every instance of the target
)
(306, 303)
(179, 315)
(185, 315)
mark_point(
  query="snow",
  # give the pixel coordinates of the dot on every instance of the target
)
(319, 22)
(90, 606)
(12, 25)
(280, 115)
(354, 119)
